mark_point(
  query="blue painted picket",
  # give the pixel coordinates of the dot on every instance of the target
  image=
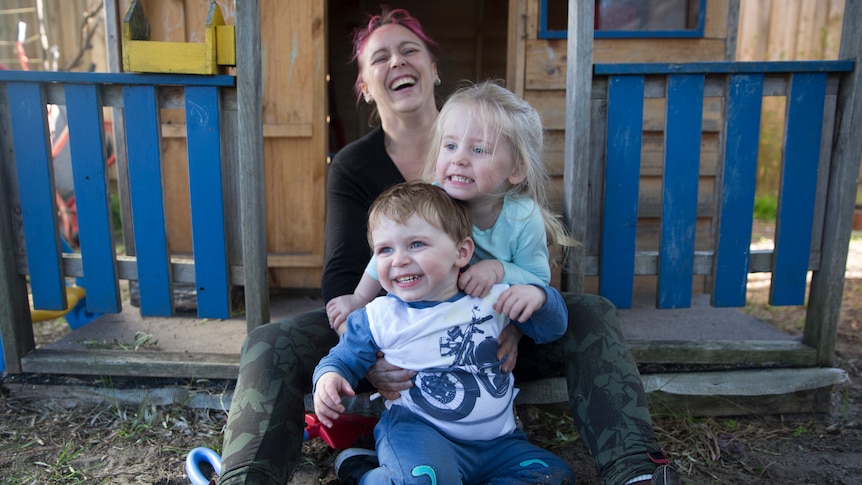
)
(682, 135)
(207, 200)
(27, 107)
(797, 188)
(32, 150)
(86, 142)
(619, 231)
(684, 96)
(148, 209)
(733, 246)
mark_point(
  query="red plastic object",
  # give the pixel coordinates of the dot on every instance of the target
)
(344, 431)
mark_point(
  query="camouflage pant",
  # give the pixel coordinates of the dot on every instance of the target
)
(263, 437)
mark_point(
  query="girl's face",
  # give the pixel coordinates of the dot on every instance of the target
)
(474, 164)
(416, 261)
(397, 71)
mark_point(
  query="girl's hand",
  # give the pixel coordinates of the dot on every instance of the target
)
(478, 279)
(338, 308)
(508, 347)
(389, 379)
(519, 302)
(327, 397)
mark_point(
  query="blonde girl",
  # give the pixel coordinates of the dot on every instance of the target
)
(486, 151)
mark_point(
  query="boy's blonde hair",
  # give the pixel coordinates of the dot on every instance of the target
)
(432, 203)
(501, 113)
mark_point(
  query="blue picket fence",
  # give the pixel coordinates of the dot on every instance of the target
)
(138, 95)
(741, 85)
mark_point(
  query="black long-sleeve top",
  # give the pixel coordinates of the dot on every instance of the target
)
(360, 172)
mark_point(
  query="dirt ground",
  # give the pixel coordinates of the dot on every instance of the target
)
(45, 442)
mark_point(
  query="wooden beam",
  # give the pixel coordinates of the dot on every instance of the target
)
(517, 47)
(103, 362)
(579, 75)
(721, 393)
(15, 326)
(827, 284)
(252, 180)
(722, 353)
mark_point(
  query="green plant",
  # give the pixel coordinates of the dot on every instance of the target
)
(62, 471)
(765, 207)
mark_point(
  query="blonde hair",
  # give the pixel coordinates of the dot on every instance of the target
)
(432, 203)
(502, 112)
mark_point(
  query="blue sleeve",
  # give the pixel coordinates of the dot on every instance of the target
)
(354, 354)
(371, 268)
(549, 322)
(529, 265)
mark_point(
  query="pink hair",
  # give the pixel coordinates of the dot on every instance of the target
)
(397, 16)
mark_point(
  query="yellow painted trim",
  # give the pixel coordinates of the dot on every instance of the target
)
(226, 45)
(172, 57)
(143, 55)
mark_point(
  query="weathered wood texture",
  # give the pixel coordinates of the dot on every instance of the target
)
(784, 30)
(16, 330)
(577, 136)
(293, 60)
(817, 190)
(827, 285)
(252, 181)
(543, 84)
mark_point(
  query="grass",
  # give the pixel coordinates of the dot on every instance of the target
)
(766, 208)
(141, 340)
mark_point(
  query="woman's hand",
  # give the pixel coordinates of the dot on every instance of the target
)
(508, 347)
(389, 379)
(478, 279)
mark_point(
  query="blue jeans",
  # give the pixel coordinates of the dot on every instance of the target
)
(412, 451)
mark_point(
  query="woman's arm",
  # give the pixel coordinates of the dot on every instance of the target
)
(345, 247)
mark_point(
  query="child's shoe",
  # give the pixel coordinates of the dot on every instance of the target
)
(352, 463)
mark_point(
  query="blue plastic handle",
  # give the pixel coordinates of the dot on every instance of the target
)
(193, 461)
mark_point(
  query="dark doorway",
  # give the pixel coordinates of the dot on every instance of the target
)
(471, 37)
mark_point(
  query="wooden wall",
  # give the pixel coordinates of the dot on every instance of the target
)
(537, 71)
(784, 30)
(307, 42)
(542, 82)
(294, 57)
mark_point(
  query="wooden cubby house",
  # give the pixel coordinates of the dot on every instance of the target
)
(653, 135)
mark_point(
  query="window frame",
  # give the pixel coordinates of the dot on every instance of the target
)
(697, 32)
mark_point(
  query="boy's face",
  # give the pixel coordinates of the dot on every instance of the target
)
(416, 261)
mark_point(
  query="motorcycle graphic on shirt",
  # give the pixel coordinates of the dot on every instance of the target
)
(450, 393)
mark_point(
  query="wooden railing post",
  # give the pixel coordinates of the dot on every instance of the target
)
(252, 186)
(827, 284)
(15, 325)
(579, 80)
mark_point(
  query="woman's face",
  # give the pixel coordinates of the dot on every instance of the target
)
(397, 71)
